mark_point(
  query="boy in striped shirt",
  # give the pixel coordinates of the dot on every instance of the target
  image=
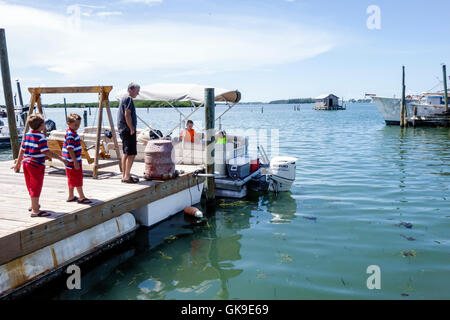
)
(32, 153)
(72, 153)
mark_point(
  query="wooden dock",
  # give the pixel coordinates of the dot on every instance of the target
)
(21, 234)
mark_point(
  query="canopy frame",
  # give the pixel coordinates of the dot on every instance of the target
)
(184, 117)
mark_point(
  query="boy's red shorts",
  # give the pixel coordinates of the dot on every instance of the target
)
(75, 177)
(34, 178)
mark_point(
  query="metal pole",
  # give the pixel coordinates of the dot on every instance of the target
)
(444, 69)
(403, 107)
(7, 90)
(210, 144)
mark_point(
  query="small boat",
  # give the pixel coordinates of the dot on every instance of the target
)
(5, 141)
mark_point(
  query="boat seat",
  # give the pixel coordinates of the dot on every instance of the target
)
(56, 145)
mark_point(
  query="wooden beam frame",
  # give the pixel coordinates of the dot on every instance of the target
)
(103, 92)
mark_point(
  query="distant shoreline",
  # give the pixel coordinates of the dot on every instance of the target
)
(184, 104)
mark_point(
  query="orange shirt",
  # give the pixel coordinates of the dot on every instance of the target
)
(189, 135)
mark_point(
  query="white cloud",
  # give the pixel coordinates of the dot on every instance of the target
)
(143, 1)
(50, 41)
(108, 13)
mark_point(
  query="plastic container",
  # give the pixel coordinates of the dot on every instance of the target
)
(239, 168)
(254, 165)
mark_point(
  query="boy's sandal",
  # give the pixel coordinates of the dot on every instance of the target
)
(41, 214)
(29, 209)
(72, 200)
(130, 180)
(85, 201)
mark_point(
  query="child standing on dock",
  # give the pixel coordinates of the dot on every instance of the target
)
(32, 153)
(72, 153)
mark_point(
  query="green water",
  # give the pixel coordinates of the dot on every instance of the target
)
(357, 180)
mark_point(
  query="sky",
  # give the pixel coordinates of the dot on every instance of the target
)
(267, 49)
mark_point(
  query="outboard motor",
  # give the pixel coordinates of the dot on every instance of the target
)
(281, 174)
(50, 125)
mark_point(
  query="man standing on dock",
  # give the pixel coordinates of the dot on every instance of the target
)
(126, 123)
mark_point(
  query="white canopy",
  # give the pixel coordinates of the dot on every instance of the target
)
(182, 92)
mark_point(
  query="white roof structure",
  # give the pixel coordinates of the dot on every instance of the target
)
(324, 96)
(182, 92)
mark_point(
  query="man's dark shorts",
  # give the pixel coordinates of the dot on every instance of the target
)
(129, 142)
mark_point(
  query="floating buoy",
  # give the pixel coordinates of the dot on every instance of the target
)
(193, 211)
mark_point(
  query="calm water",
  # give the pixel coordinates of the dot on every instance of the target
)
(357, 179)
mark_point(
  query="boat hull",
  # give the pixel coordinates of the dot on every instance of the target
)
(416, 114)
(5, 141)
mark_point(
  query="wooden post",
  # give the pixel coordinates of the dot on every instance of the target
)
(30, 111)
(65, 109)
(85, 118)
(7, 90)
(19, 92)
(99, 132)
(39, 106)
(210, 144)
(23, 113)
(444, 70)
(113, 132)
(403, 121)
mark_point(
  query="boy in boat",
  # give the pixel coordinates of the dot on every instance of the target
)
(188, 134)
(33, 151)
(71, 151)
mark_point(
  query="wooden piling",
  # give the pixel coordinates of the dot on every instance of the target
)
(85, 118)
(444, 70)
(19, 92)
(65, 109)
(7, 90)
(403, 121)
(23, 113)
(210, 144)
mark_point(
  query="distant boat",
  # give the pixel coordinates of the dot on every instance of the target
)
(5, 141)
(425, 109)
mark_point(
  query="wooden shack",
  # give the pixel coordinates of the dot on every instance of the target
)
(328, 102)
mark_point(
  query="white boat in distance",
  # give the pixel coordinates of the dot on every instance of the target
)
(5, 140)
(425, 109)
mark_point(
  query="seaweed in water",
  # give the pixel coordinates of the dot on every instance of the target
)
(309, 218)
(405, 224)
(409, 253)
(407, 238)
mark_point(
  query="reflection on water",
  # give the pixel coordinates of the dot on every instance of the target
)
(282, 206)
